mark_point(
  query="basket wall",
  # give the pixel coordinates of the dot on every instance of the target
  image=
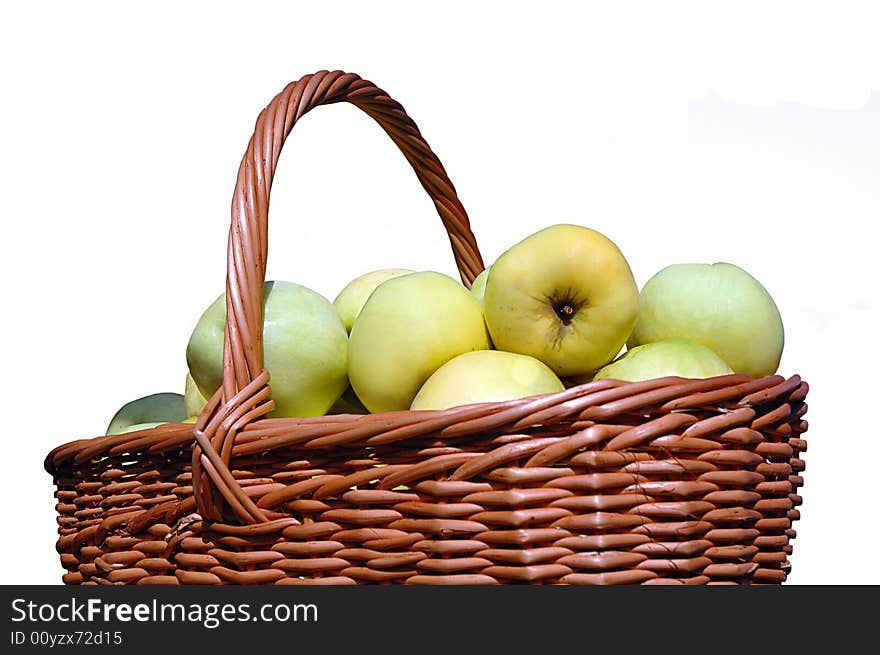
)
(669, 481)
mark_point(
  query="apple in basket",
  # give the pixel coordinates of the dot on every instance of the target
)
(351, 299)
(409, 327)
(564, 295)
(193, 400)
(718, 305)
(478, 291)
(670, 357)
(148, 412)
(478, 288)
(304, 349)
(485, 376)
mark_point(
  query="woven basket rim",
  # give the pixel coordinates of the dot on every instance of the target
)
(172, 436)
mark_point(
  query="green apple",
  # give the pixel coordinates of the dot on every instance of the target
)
(564, 295)
(478, 288)
(304, 349)
(485, 376)
(478, 291)
(142, 426)
(351, 299)
(718, 305)
(670, 357)
(193, 400)
(409, 327)
(162, 407)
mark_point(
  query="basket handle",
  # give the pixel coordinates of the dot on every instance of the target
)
(245, 395)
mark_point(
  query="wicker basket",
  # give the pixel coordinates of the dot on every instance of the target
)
(663, 481)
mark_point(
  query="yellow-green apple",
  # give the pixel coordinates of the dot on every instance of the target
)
(718, 305)
(193, 400)
(564, 295)
(351, 299)
(670, 357)
(478, 288)
(478, 291)
(304, 349)
(409, 327)
(485, 376)
(162, 407)
(142, 426)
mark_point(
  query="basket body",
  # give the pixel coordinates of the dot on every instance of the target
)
(667, 481)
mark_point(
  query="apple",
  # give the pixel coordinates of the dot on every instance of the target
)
(564, 295)
(670, 357)
(478, 288)
(163, 407)
(478, 291)
(718, 305)
(304, 349)
(193, 400)
(141, 426)
(351, 299)
(409, 327)
(485, 376)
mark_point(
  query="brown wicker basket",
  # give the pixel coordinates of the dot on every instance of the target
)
(663, 481)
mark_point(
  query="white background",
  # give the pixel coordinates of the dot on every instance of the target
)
(748, 132)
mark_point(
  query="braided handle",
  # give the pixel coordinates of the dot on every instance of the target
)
(244, 395)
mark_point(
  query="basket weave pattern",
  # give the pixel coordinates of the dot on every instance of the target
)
(663, 481)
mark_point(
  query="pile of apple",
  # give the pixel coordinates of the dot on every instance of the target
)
(553, 311)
